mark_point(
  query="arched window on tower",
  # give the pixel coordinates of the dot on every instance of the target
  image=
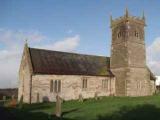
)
(119, 34)
(127, 33)
(136, 34)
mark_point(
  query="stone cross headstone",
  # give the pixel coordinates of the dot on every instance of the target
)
(80, 98)
(58, 106)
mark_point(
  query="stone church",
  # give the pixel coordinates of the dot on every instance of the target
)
(43, 74)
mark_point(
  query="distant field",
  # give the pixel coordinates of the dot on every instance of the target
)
(108, 108)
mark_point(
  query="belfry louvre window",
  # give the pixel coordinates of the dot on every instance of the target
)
(57, 86)
(136, 34)
(119, 34)
(84, 83)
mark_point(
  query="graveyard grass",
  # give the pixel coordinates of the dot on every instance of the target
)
(107, 108)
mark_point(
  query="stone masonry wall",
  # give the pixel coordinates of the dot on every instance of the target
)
(24, 78)
(71, 87)
(138, 82)
(120, 83)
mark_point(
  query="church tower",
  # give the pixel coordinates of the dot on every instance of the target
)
(128, 56)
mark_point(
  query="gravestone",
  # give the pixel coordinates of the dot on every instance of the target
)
(58, 106)
(13, 102)
(4, 98)
(80, 98)
(12, 97)
(21, 102)
(96, 96)
(37, 97)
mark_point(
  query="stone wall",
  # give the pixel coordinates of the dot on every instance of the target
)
(153, 86)
(24, 85)
(133, 81)
(128, 57)
(120, 83)
(25, 77)
(71, 87)
(138, 82)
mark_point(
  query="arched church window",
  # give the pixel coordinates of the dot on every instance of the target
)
(57, 86)
(84, 83)
(51, 86)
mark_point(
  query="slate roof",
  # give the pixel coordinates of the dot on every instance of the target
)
(152, 76)
(63, 63)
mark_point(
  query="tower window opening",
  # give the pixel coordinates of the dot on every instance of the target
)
(123, 34)
(119, 34)
(136, 34)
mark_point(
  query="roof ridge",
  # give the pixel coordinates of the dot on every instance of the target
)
(69, 52)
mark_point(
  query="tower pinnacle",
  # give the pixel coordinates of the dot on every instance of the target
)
(110, 18)
(143, 16)
(126, 12)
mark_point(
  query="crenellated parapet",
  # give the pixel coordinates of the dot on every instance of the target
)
(128, 18)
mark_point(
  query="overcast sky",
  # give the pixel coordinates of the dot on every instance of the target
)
(81, 26)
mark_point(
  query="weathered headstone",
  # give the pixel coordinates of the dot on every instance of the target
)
(12, 97)
(80, 98)
(21, 102)
(13, 102)
(58, 106)
(4, 98)
(37, 97)
(96, 96)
